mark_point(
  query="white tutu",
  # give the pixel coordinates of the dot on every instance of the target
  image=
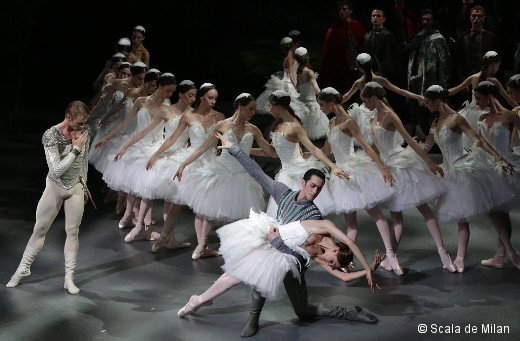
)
(248, 256)
(366, 187)
(294, 167)
(414, 183)
(315, 123)
(471, 112)
(362, 115)
(223, 190)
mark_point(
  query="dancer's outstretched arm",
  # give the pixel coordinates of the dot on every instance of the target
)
(142, 133)
(350, 276)
(183, 124)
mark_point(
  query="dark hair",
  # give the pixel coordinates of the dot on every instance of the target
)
(185, 87)
(344, 255)
(426, 12)
(303, 61)
(166, 79)
(296, 36)
(378, 9)
(514, 82)
(313, 171)
(243, 101)
(124, 65)
(136, 69)
(123, 48)
(379, 92)
(478, 8)
(348, 3)
(286, 47)
(136, 29)
(486, 88)
(486, 61)
(285, 102)
(151, 76)
(201, 92)
(442, 95)
(330, 97)
(77, 108)
(367, 67)
(116, 59)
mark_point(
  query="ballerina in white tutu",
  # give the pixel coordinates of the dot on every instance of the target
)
(286, 83)
(513, 89)
(412, 170)
(315, 123)
(473, 188)
(496, 127)
(286, 140)
(471, 111)
(360, 113)
(223, 177)
(251, 259)
(370, 180)
(200, 123)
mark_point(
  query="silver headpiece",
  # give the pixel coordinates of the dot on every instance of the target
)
(139, 28)
(490, 54)
(435, 88)
(300, 51)
(242, 95)
(124, 42)
(286, 40)
(154, 71)
(167, 74)
(205, 85)
(294, 33)
(140, 64)
(331, 91)
(187, 82)
(515, 78)
(363, 58)
(486, 84)
(373, 85)
(118, 55)
(280, 94)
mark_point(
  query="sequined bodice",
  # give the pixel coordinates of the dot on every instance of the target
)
(307, 92)
(385, 141)
(170, 127)
(288, 152)
(498, 136)
(450, 143)
(143, 120)
(228, 160)
(340, 143)
(198, 135)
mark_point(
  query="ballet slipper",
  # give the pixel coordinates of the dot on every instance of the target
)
(197, 252)
(515, 259)
(160, 242)
(459, 264)
(149, 233)
(184, 311)
(207, 252)
(394, 265)
(130, 237)
(175, 244)
(446, 261)
(127, 223)
(385, 265)
(496, 262)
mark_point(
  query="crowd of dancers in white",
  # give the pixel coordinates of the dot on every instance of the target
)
(148, 149)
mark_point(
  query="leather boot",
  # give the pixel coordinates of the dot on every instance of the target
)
(70, 268)
(24, 269)
(355, 313)
(251, 327)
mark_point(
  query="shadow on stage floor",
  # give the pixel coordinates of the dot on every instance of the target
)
(128, 293)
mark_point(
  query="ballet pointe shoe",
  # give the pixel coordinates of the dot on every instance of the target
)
(160, 242)
(446, 261)
(207, 252)
(394, 265)
(515, 259)
(70, 268)
(127, 223)
(192, 307)
(496, 262)
(130, 237)
(24, 269)
(149, 233)
(175, 244)
(459, 264)
(385, 265)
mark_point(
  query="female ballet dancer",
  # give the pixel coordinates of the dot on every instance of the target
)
(513, 90)
(315, 123)
(66, 148)
(360, 113)
(496, 127)
(371, 181)
(287, 83)
(187, 95)
(139, 53)
(250, 258)
(145, 142)
(286, 140)
(119, 175)
(415, 184)
(472, 112)
(223, 177)
(473, 188)
(200, 122)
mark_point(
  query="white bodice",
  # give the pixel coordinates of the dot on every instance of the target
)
(170, 127)
(498, 137)
(385, 141)
(307, 92)
(293, 235)
(143, 120)
(198, 135)
(288, 152)
(340, 143)
(229, 161)
(450, 143)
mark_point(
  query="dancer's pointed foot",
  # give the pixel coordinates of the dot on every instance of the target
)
(130, 237)
(175, 244)
(126, 222)
(192, 306)
(149, 233)
(496, 262)
(209, 253)
(446, 262)
(459, 264)
(162, 241)
(17, 276)
(515, 259)
(394, 265)
(386, 265)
